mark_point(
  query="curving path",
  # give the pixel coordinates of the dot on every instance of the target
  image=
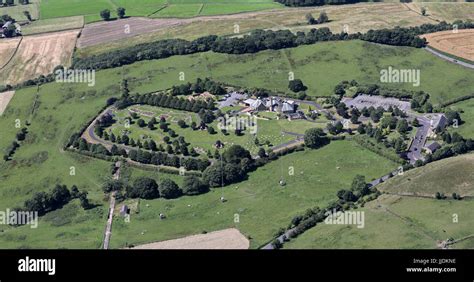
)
(448, 58)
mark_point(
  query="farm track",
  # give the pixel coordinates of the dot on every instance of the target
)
(13, 54)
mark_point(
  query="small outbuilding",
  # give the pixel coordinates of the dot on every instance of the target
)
(431, 148)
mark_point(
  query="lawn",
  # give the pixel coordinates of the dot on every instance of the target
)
(466, 108)
(393, 222)
(262, 205)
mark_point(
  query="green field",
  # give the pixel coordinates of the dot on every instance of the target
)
(54, 24)
(321, 67)
(40, 163)
(17, 10)
(393, 222)
(153, 8)
(262, 204)
(46, 164)
(451, 175)
(466, 108)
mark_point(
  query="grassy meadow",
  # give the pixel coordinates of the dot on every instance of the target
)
(451, 175)
(262, 204)
(320, 66)
(150, 8)
(466, 108)
(394, 222)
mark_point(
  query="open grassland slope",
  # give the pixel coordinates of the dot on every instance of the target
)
(451, 175)
(321, 67)
(394, 222)
(262, 206)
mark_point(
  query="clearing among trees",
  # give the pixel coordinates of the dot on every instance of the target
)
(460, 43)
(223, 239)
(39, 55)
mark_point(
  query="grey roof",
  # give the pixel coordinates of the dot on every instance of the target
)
(249, 101)
(7, 24)
(439, 121)
(433, 146)
(287, 107)
(256, 104)
(272, 102)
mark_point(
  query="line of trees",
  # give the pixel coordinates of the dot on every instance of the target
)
(256, 41)
(105, 14)
(140, 156)
(146, 51)
(359, 193)
(44, 202)
(199, 86)
(20, 136)
(166, 101)
(148, 188)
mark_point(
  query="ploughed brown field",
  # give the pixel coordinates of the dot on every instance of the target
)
(5, 98)
(7, 50)
(223, 239)
(38, 55)
(460, 43)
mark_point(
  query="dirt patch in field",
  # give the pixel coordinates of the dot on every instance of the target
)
(7, 50)
(223, 239)
(5, 98)
(460, 44)
(39, 54)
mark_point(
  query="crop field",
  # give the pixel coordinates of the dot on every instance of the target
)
(154, 8)
(66, 8)
(466, 108)
(262, 205)
(17, 10)
(444, 10)
(39, 54)
(460, 44)
(201, 140)
(223, 239)
(451, 175)
(51, 25)
(395, 222)
(358, 17)
(7, 50)
(5, 98)
(321, 67)
(100, 32)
